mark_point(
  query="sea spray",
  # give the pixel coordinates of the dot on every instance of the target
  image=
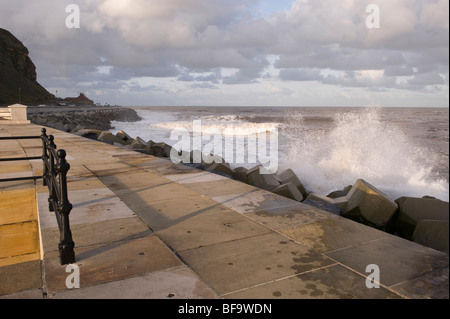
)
(359, 144)
(403, 152)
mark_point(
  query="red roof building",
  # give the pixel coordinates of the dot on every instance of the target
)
(80, 100)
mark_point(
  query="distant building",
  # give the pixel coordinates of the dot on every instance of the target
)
(80, 100)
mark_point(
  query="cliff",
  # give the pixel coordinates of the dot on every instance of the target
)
(18, 74)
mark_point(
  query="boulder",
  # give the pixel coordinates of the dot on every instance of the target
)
(288, 176)
(340, 202)
(411, 210)
(213, 158)
(137, 144)
(368, 205)
(89, 133)
(240, 174)
(340, 193)
(148, 146)
(110, 138)
(124, 137)
(158, 149)
(68, 127)
(288, 190)
(195, 157)
(258, 179)
(221, 168)
(432, 233)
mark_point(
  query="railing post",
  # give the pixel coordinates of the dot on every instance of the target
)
(66, 245)
(53, 196)
(44, 137)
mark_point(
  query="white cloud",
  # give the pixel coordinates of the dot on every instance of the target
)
(326, 42)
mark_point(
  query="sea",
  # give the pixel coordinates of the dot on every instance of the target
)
(400, 151)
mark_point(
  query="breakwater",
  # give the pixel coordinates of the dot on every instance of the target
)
(72, 119)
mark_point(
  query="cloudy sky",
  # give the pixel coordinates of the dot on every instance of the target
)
(239, 52)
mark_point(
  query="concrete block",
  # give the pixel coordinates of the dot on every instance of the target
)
(89, 133)
(327, 207)
(240, 174)
(110, 138)
(221, 168)
(138, 144)
(340, 193)
(289, 176)
(196, 157)
(158, 149)
(368, 205)
(208, 160)
(412, 209)
(340, 202)
(432, 233)
(124, 136)
(264, 181)
(288, 190)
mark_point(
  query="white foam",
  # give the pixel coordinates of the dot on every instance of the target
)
(361, 145)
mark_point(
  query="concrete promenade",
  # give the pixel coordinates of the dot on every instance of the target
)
(144, 227)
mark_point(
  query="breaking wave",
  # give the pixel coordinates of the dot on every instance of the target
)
(360, 145)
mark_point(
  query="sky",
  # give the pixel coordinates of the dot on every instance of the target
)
(239, 52)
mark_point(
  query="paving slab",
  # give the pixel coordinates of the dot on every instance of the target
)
(19, 227)
(134, 180)
(177, 283)
(14, 168)
(88, 206)
(398, 259)
(20, 276)
(26, 173)
(17, 185)
(11, 152)
(214, 187)
(19, 243)
(74, 183)
(432, 285)
(333, 234)
(18, 206)
(255, 200)
(234, 265)
(196, 177)
(29, 294)
(215, 225)
(110, 262)
(166, 167)
(333, 282)
(100, 232)
(109, 168)
(161, 214)
(288, 217)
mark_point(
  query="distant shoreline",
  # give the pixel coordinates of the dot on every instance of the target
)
(74, 118)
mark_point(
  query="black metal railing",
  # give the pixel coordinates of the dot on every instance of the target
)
(55, 168)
